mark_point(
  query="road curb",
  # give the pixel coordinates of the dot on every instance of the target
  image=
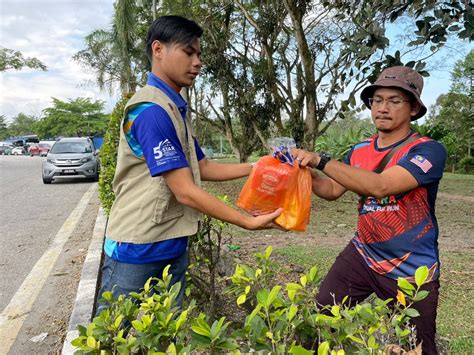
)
(87, 289)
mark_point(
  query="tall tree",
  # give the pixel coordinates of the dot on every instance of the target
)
(117, 54)
(22, 124)
(76, 117)
(3, 128)
(288, 67)
(453, 112)
(11, 59)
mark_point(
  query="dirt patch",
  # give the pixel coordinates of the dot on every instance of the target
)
(444, 195)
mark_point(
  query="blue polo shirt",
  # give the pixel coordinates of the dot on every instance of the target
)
(152, 137)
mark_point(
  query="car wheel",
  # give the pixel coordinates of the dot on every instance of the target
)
(95, 178)
(47, 181)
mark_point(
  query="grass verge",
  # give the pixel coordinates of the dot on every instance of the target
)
(457, 184)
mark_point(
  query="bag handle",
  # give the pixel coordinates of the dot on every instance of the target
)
(387, 158)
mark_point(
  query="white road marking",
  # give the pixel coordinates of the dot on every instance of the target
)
(13, 316)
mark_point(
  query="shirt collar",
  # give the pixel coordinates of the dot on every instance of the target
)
(178, 100)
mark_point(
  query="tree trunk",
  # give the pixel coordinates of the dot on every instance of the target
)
(296, 16)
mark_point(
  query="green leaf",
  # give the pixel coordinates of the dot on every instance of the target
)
(228, 344)
(107, 295)
(82, 330)
(78, 341)
(403, 333)
(262, 296)
(291, 294)
(293, 286)
(313, 273)
(166, 272)
(323, 348)
(421, 295)
(181, 320)
(201, 323)
(405, 286)
(146, 320)
(292, 312)
(241, 299)
(371, 342)
(137, 325)
(421, 275)
(171, 350)
(146, 287)
(304, 280)
(200, 342)
(216, 327)
(299, 350)
(118, 321)
(91, 342)
(253, 314)
(411, 312)
(268, 252)
(201, 331)
(356, 339)
(272, 296)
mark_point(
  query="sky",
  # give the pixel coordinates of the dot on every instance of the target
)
(53, 31)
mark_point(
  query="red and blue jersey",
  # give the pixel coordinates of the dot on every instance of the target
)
(397, 234)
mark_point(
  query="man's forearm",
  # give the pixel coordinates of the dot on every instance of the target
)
(323, 187)
(360, 181)
(204, 202)
(211, 171)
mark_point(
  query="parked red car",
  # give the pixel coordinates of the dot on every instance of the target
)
(40, 149)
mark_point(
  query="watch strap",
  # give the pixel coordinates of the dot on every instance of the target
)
(324, 158)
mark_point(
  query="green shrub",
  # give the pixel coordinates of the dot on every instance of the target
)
(466, 165)
(338, 142)
(282, 320)
(108, 155)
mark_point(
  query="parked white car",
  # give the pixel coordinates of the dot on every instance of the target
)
(18, 151)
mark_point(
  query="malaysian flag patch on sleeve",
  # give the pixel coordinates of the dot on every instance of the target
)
(423, 163)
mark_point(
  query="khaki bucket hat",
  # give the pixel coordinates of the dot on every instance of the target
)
(399, 77)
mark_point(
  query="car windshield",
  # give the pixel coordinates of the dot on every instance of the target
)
(71, 147)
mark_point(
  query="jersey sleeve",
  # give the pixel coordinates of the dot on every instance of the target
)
(199, 153)
(155, 132)
(425, 161)
(347, 158)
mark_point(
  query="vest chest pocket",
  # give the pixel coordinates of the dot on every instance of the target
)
(166, 206)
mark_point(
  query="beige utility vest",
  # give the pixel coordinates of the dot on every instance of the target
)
(145, 210)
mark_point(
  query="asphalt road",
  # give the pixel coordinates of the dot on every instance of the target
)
(31, 215)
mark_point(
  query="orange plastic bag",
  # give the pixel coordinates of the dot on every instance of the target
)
(273, 184)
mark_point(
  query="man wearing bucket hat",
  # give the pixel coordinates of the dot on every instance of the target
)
(396, 175)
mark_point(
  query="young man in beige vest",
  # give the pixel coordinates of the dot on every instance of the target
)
(397, 231)
(160, 166)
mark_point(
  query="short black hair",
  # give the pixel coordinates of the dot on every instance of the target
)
(171, 29)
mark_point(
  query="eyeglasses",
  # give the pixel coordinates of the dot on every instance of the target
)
(391, 103)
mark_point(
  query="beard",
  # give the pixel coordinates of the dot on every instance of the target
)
(384, 130)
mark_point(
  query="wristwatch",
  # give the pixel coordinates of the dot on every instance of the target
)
(324, 158)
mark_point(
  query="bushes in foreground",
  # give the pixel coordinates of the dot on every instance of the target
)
(278, 319)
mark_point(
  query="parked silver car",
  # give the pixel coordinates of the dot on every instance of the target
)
(71, 157)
